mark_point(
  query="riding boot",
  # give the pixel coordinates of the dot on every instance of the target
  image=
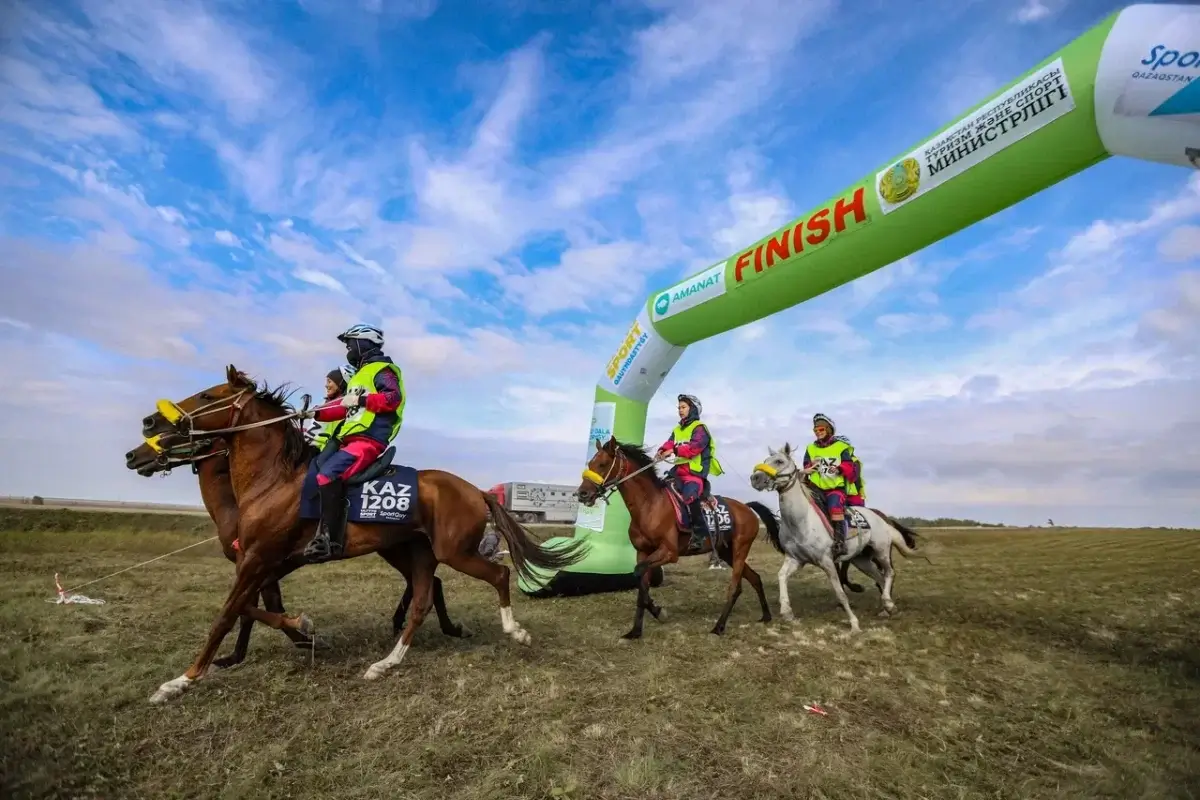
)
(699, 527)
(840, 534)
(329, 540)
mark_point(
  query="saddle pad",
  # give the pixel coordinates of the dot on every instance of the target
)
(390, 499)
(719, 522)
(855, 519)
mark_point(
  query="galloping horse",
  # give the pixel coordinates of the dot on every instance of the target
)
(658, 520)
(208, 459)
(806, 535)
(268, 466)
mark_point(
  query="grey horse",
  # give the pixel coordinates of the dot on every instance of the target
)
(805, 536)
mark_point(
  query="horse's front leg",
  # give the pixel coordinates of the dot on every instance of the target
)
(251, 573)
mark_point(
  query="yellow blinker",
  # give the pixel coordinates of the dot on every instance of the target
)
(170, 412)
(153, 442)
(594, 477)
(767, 469)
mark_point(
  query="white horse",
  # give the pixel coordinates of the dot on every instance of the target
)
(806, 536)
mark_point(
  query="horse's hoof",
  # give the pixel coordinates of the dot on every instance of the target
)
(522, 636)
(788, 617)
(884, 614)
(629, 637)
(305, 624)
(225, 662)
(374, 672)
(660, 615)
(855, 630)
(765, 618)
(171, 690)
(718, 630)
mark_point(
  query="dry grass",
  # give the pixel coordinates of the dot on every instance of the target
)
(1024, 665)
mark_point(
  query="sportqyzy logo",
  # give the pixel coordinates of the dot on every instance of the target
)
(1163, 85)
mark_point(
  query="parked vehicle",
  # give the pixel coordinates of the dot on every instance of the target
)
(537, 502)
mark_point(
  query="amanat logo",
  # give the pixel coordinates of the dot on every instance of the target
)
(806, 236)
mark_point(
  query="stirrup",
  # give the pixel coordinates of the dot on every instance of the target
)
(322, 548)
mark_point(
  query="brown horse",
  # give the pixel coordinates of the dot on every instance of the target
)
(209, 461)
(268, 461)
(656, 527)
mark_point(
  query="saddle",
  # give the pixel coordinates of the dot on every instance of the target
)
(855, 521)
(381, 467)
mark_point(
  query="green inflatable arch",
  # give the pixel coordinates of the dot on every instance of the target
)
(1122, 88)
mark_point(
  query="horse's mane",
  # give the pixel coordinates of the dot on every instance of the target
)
(296, 452)
(638, 456)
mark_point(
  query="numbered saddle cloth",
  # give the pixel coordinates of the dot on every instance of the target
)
(386, 496)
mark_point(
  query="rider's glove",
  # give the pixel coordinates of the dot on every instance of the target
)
(353, 398)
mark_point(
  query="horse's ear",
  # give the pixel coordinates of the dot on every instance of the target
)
(611, 444)
(770, 450)
(231, 375)
(787, 448)
(598, 445)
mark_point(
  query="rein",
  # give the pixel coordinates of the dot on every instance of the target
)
(197, 439)
(605, 488)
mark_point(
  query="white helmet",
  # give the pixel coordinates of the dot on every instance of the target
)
(347, 371)
(368, 333)
(695, 403)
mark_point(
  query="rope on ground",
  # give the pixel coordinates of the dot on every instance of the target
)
(67, 596)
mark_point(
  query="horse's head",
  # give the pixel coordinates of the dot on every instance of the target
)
(176, 430)
(147, 461)
(777, 471)
(602, 470)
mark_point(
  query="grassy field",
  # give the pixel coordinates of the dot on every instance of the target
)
(1025, 664)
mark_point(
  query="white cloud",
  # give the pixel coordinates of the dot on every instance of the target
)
(901, 324)
(1032, 11)
(1181, 244)
(227, 238)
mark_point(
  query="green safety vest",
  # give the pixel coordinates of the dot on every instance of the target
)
(859, 487)
(360, 419)
(827, 459)
(695, 464)
(321, 437)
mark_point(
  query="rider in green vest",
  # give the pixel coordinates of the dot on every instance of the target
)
(368, 419)
(335, 387)
(833, 468)
(856, 489)
(696, 461)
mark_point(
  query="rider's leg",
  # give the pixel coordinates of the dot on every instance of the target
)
(690, 488)
(836, 498)
(354, 456)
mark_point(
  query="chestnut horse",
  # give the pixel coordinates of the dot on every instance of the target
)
(209, 461)
(268, 461)
(656, 531)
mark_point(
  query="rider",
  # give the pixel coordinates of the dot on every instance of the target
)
(696, 461)
(335, 386)
(833, 468)
(856, 492)
(370, 414)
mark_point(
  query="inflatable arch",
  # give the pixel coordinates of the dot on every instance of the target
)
(1125, 88)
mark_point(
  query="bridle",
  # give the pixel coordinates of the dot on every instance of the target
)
(782, 479)
(183, 424)
(605, 489)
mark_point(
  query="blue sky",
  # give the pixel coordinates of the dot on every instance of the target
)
(191, 184)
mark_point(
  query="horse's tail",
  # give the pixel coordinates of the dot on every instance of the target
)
(768, 519)
(907, 543)
(524, 550)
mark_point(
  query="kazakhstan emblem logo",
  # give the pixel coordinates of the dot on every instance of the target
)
(901, 181)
